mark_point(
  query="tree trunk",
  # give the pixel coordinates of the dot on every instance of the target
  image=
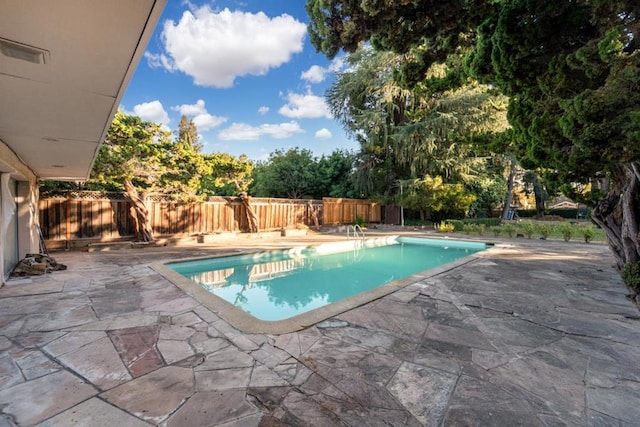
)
(251, 215)
(314, 215)
(618, 214)
(538, 194)
(144, 231)
(510, 181)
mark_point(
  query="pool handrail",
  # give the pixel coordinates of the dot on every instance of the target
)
(358, 233)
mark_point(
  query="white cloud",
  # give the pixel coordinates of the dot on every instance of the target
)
(191, 109)
(198, 113)
(245, 132)
(323, 133)
(318, 74)
(306, 106)
(152, 112)
(315, 74)
(215, 47)
(263, 110)
(337, 64)
(207, 122)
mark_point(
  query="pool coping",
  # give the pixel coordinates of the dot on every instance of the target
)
(247, 323)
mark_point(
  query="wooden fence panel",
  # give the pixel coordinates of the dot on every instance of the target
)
(345, 211)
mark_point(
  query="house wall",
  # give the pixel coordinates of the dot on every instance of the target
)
(18, 211)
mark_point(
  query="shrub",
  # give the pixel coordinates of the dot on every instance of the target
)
(496, 230)
(510, 229)
(588, 233)
(543, 230)
(469, 228)
(457, 224)
(528, 229)
(566, 230)
(631, 276)
(444, 227)
(359, 221)
(481, 228)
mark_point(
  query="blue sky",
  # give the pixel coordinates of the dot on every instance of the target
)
(244, 71)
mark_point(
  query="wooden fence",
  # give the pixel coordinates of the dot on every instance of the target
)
(342, 211)
(98, 216)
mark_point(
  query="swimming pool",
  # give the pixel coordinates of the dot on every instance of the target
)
(299, 285)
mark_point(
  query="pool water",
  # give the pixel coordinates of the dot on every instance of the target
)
(278, 285)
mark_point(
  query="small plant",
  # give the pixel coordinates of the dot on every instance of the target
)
(444, 227)
(588, 233)
(510, 229)
(481, 229)
(543, 230)
(496, 230)
(566, 230)
(470, 228)
(528, 229)
(631, 276)
(359, 221)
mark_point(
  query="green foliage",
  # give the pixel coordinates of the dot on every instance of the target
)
(544, 230)
(510, 229)
(528, 229)
(359, 221)
(296, 173)
(287, 174)
(134, 151)
(587, 233)
(445, 227)
(631, 276)
(229, 175)
(435, 198)
(496, 230)
(566, 230)
(457, 224)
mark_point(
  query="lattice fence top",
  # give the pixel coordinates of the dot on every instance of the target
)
(83, 195)
(160, 198)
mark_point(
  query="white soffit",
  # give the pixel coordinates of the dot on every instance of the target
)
(54, 115)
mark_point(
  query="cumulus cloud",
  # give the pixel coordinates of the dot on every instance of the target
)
(152, 112)
(304, 106)
(215, 47)
(318, 74)
(191, 109)
(245, 132)
(323, 133)
(263, 110)
(315, 74)
(200, 116)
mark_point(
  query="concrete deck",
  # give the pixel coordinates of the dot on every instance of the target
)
(536, 333)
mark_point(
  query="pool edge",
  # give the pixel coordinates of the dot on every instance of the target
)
(247, 323)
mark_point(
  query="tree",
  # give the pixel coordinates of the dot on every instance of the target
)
(134, 158)
(229, 176)
(407, 133)
(570, 67)
(435, 199)
(187, 133)
(291, 174)
(335, 175)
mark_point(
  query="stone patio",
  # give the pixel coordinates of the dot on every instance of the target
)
(536, 333)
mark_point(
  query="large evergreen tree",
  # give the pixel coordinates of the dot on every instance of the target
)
(570, 67)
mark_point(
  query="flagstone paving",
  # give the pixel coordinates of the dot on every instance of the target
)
(532, 333)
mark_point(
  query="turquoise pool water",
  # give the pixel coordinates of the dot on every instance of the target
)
(281, 284)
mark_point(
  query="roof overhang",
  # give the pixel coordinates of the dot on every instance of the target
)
(64, 67)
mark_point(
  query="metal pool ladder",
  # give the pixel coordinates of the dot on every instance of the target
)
(355, 232)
